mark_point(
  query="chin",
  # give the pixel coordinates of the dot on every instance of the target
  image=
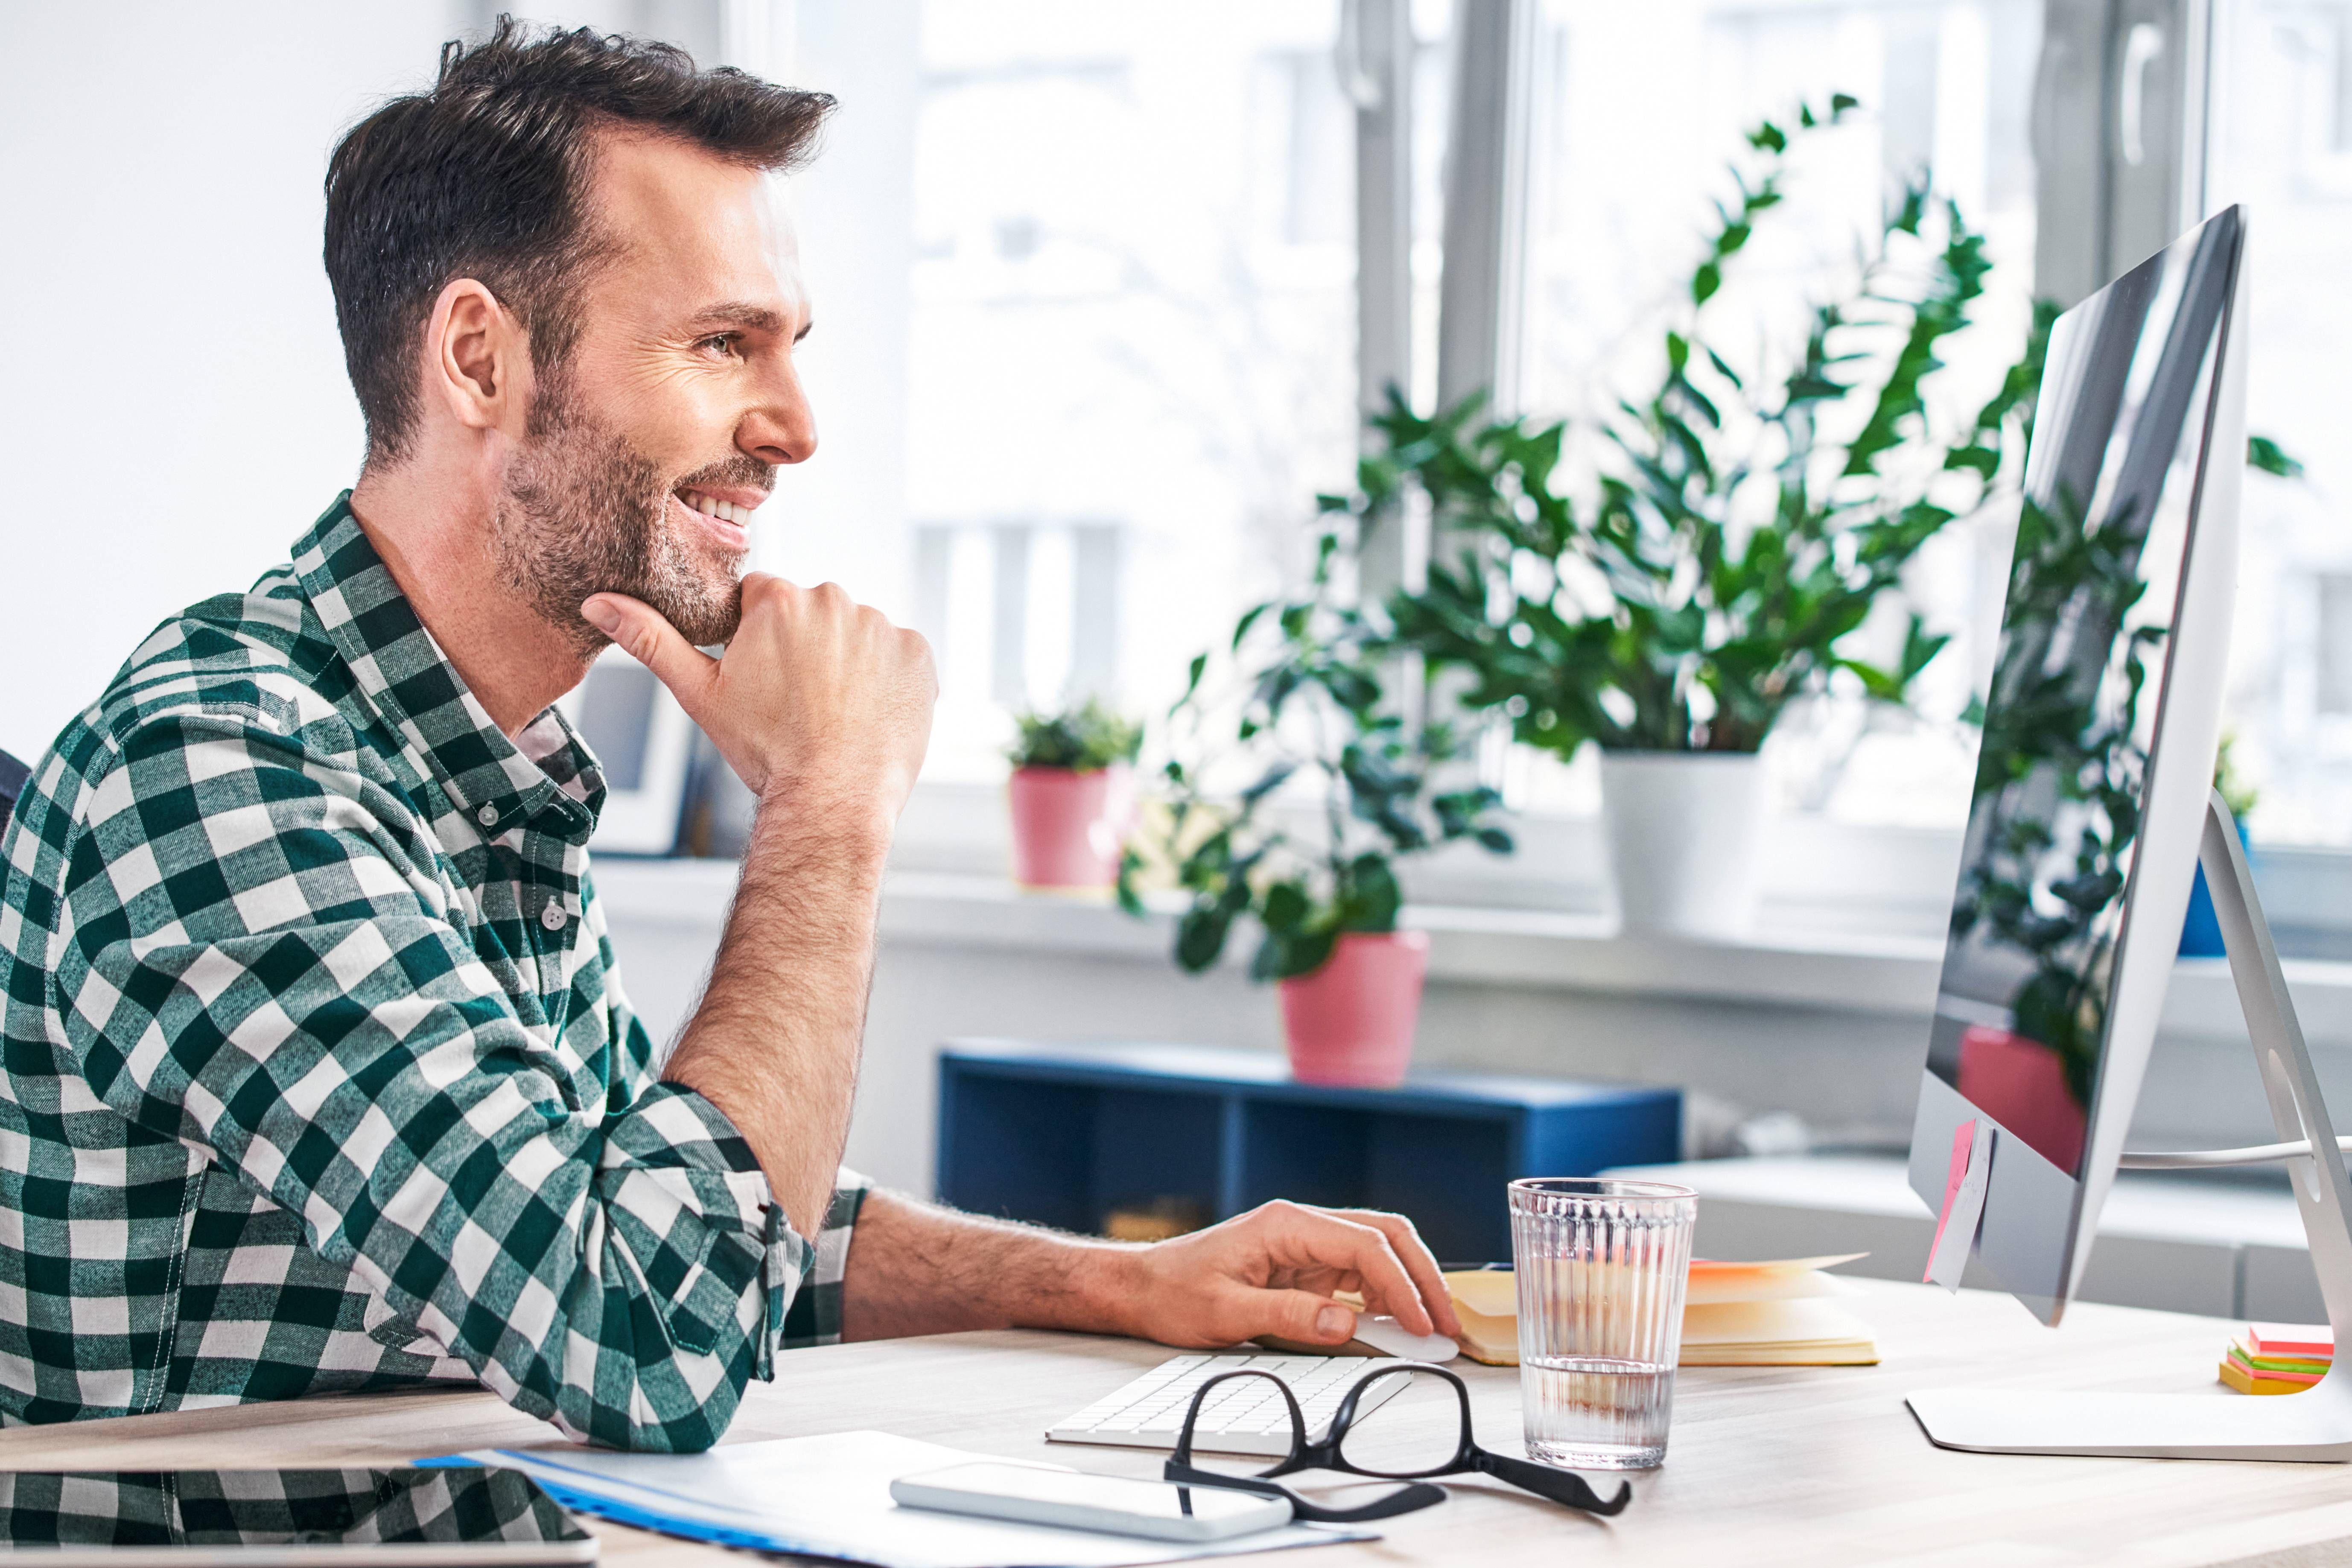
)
(709, 616)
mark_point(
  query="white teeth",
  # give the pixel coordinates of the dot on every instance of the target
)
(726, 511)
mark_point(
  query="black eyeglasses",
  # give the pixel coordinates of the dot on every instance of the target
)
(1330, 1453)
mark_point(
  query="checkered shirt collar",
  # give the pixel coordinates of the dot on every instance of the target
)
(551, 778)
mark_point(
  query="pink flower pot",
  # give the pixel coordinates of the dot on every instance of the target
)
(1067, 825)
(2022, 1084)
(1351, 1021)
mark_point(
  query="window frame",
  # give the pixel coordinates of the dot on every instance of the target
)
(1847, 882)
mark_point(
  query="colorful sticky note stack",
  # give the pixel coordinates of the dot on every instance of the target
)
(2278, 1358)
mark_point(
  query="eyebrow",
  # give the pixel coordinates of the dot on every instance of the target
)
(742, 313)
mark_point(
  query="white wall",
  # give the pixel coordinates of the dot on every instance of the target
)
(173, 409)
(172, 405)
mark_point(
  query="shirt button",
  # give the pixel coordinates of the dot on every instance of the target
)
(552, 915)
(486, 815)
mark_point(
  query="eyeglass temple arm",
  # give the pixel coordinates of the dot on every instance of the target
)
(1559, 1486)
(1179, 1473)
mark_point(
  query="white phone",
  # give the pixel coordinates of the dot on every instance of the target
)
(1039, 1494)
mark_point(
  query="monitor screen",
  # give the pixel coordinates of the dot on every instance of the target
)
(2079, 679)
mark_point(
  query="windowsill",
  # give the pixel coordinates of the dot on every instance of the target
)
(1802, 964)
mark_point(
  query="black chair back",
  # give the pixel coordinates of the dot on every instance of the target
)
(13, 775)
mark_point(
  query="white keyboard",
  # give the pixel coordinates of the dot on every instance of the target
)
(1244, 1416)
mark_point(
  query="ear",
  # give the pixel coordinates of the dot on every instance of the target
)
(476, 358)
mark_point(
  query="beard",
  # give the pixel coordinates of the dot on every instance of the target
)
(585, 511)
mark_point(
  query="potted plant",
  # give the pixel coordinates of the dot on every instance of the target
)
(1723, 560)
(1072, 793)
(2055, 813)
(1309, 710)
(2200, 930)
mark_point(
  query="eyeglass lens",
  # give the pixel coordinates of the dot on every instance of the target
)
(1422, 1426)
(1241, 1420)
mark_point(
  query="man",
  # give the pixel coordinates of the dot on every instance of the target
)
(319, 1074)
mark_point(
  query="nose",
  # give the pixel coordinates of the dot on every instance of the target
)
(780, 426)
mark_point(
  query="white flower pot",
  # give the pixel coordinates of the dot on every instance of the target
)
(1686, 835)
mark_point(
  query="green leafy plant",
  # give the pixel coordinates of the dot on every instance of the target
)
(1741, 528)
(1084, 740)
(2060, 764)
(2237, 792)
(1311, 674)
(2266, 456)
(2055, 805)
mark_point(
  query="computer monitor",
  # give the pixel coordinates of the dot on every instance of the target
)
(2097, 759)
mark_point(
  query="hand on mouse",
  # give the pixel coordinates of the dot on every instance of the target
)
(1273, 1271)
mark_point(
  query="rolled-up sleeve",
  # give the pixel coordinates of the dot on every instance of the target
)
(814, 1315)
(255, 965)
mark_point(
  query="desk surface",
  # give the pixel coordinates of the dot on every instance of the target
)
(1816, 1466)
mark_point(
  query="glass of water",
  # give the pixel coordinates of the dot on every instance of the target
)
(1601, 1268)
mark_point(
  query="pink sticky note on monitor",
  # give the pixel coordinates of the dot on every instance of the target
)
(1964, 1193)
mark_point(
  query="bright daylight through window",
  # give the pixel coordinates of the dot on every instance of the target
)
(1638, 113)
(1132, 334)
(2283, 145)
(1131, 317)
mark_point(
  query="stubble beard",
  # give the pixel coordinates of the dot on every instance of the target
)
(585, 511)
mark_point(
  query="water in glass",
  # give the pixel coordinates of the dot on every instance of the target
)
(1600, 1267)
(1595, 1413)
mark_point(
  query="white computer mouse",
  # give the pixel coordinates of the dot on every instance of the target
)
(1388, 1335)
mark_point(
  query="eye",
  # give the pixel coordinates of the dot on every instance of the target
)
(720, 345)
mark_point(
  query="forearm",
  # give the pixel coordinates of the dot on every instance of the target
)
(915, 1270)
(775, 1043)
(918, 1269)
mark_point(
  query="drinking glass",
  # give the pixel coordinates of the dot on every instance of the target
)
(1601, 1265)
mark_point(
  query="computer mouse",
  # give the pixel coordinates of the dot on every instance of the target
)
(1392, 1338)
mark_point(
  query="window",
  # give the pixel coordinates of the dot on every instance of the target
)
(1087, 276)
(1132, 339)
(2282, 143)
(1637, 109)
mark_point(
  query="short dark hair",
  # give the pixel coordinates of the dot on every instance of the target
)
(486, 176)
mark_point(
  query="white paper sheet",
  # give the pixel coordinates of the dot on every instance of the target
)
(830, 1497)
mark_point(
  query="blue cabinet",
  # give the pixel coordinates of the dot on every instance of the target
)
(1063, 1135)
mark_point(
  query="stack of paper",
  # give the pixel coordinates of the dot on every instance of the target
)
(2278, 1358)
(1772, 1314)
(1734, 1314)
(830, 1497)
(1487, 1300)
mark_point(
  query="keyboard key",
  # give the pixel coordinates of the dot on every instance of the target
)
(1261, 1423)
(1244, 1416)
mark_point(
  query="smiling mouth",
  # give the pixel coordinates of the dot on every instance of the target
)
(726, 524)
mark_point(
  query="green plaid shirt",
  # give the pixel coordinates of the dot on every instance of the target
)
(318, 1073)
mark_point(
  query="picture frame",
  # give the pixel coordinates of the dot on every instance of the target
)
(645, 743)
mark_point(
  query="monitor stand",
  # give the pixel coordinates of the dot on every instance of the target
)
(2315, 1424)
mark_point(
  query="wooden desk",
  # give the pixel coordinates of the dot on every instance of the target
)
(1811, 1467)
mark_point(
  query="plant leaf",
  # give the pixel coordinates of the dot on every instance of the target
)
(2266, 455)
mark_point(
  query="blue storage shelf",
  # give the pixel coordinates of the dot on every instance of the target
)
(1063, 1134)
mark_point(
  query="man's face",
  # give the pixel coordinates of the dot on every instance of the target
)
(650, 445)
